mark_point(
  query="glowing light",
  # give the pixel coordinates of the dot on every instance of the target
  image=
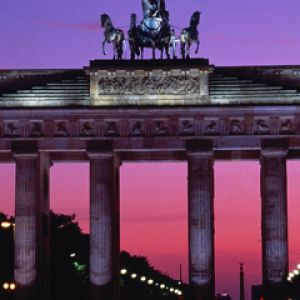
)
(133, 275)
(123, 271)
(5, 286)
(291, 275)
(6, 224)
(72, 255)
(296, 272)
(162, 286)
(172, 290)
(143, 278)
(12, 286)
(298, 266)
(150, 281)
(178, 292)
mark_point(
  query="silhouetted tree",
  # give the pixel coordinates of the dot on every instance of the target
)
(70, 265)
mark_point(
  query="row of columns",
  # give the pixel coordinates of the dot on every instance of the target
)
(32, 223)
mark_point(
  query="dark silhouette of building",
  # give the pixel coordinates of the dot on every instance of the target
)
(257, 292)
(242, 282)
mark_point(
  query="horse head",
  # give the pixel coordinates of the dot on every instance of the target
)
(133, 19)
(195, 19)
(105, 20)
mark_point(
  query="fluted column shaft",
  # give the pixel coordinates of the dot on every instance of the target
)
(104, 223)
(201, 224)
(274, 218)
(32, 226)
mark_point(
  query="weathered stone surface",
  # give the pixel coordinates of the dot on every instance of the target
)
(104, 236)
(274, 217)
(147, 111)
(146, 83)
(32, 226)
(201, 224)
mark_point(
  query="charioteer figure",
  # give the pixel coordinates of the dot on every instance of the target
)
(151, 8)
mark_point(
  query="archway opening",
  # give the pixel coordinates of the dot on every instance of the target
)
(154, 215)
(69, 223)
(293, 173)
(237, 225)
(7, 212)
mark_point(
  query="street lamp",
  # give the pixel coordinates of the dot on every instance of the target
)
(7, 224)
(9, 286)
(150, 281)
(123, 271)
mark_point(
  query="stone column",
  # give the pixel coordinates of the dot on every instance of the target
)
(104, 222)
(201, 224)
(32, 226)
(274, 220)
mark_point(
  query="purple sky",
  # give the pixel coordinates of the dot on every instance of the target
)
(67, 34)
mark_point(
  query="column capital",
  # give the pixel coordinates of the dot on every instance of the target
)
(274, 147)
(274, 152)
(26, 155)
(200, 153)
(100, 154)
(199, 148)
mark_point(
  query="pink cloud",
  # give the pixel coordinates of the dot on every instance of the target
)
(89, 26)
(288, 42)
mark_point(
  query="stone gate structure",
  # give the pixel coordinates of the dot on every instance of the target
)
(111, 112)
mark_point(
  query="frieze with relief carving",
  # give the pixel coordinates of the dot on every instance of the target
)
(164, 127)
(149, 85)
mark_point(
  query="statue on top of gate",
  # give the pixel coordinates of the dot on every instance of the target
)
(153, 31)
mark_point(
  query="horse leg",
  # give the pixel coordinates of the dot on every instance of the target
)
(188, 56)
(182, 45)
(120, 50)
(198, 46)
(142, 53)
(103, 47)
(174, 52)
(119, 53)
(132, 50)
(115, 52)
(161, 53)
(167, 49)
(153, 52)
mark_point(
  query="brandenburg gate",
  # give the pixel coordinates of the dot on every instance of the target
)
(167, 110)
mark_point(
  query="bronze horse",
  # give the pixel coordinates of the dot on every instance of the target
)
(112, 35)
(132, 38)
(190, 35)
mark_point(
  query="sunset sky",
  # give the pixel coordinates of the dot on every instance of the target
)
(67, 34)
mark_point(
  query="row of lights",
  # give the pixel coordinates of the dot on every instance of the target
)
(9, 286)
(294, 273)
(151, 282)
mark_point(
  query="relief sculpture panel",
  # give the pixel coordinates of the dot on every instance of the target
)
(149, 85)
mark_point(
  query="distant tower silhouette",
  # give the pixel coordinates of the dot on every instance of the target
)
(242, 282)
(180, 273)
